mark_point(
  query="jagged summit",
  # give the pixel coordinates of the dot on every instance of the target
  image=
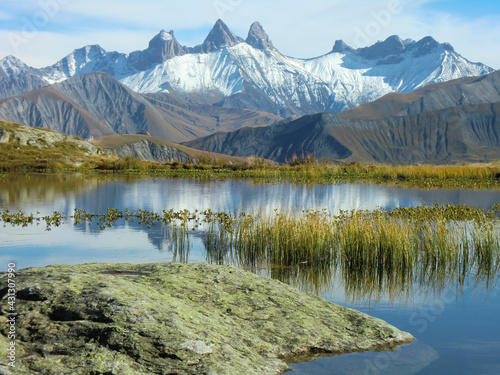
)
(258, 38)
(80, 61)
(219, 37)
(90, 49)
(162, 47)
(448, 47)
(341, 47)
(425, 45)
(165, 35)
(391, 49)
(10, 59)
(237, 74)
(11, 64)
(393, 45)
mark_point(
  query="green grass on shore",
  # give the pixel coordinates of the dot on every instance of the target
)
(426, 176)
(70, 157)
(480, 176)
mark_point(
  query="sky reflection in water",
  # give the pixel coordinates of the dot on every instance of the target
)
(457, 332)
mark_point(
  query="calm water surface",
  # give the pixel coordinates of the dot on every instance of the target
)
(457, 332)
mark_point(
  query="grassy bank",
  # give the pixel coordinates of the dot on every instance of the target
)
(426, 176)
(480, 176)
(374, 252)
(24, 149)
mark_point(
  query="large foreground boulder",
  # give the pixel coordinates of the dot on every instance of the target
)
(174, 319)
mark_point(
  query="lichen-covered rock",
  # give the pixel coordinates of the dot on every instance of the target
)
(48, 139)
(175, 319)
(42, 138)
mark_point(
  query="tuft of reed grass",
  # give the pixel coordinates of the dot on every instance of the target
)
(377, 252)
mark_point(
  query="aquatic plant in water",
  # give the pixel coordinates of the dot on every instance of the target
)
(374, 252)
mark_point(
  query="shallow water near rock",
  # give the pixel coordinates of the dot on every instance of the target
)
(457, 331)
(178, 318)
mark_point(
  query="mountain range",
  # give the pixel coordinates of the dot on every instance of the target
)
(231, 72)
(96, 105)
(455, 121)
(398, 101)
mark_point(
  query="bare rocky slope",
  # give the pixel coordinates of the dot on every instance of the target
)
(19, 142)
(145, 147)
(96, 105)
(42, 138)
(452, 122)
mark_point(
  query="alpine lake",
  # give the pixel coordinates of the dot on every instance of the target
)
(455, 320)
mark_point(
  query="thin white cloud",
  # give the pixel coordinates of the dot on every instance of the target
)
(46, 48)
(297, 28)
(150, 13)
(476, 39)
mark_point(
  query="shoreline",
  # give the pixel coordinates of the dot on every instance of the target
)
(189, 318)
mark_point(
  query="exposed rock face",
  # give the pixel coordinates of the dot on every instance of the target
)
(452, 122)
(258, 38)
(464, 134)
(393, 45)
(340, 46)
(96, 105)
(17, 78)
(309, 135)
(175, 319)
(252, 74)
(147, 150)
(43, 138)
(219, 37)
(162, 47)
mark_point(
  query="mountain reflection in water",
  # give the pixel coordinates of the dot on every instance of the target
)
(459, 338)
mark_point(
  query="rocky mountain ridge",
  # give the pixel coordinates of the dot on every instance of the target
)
(252, 73)
(453, 122)
(95, 105)
(43, 138)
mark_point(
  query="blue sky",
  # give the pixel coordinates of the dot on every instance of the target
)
(40, 32)
(466, 9)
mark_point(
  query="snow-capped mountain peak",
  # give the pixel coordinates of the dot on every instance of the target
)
(163, 35)
(162, 47)
(219, 37)
(12, 61)
(13, 65)
(425, 46)
(393, 45)
(252, 74)
(80, 61)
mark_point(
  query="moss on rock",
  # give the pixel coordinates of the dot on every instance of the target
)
(176, 319)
